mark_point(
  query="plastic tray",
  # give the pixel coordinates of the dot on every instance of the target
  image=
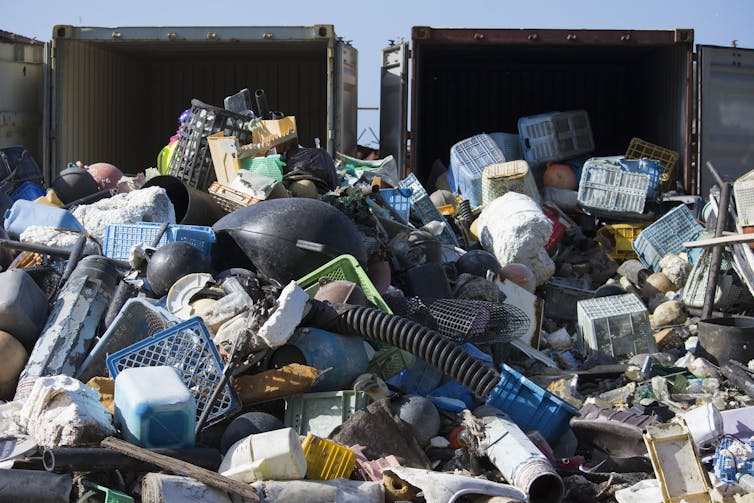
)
(468, 159)
(29, 191)
(743, 191)
(666, 235)
(513, 176)
(617, 240)
(641, 149)
(189, 349)
(192, 160)
(530, 406)
(320, 413)
(327, 460)
(270, 166)
(230, 199)
(561, 299)
(608, 189)
(120, 238)
(617, 325)
(346, 268)
(425, 208)
(400, 200)
(137, 320)
(555, 136)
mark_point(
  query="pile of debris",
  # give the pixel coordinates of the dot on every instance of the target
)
(257, 321)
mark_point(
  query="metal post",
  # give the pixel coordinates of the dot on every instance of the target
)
(717, 251)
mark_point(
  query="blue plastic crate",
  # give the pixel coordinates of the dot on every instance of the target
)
(555, 136)
(399, 199)
(29, 191)
(510, 144)
(120, 238)
(666, 235)
(530, 406)
(188, 348)
(426, 209)
(468, 158)
(648, 167)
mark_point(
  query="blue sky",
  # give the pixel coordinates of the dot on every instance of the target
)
(369, 25)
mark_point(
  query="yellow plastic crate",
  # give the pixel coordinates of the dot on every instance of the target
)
(641, 149)
(617, 239)
(327, 460)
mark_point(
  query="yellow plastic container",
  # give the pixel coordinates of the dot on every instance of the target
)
(616, 239)
(327, 460)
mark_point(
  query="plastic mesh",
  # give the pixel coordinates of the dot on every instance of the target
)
(476, 321)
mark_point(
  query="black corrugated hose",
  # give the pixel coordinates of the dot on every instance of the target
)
(371, 323)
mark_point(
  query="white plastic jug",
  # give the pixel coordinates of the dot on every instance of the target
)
(273, 455)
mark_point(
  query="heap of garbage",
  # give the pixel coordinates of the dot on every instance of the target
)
(254, 320)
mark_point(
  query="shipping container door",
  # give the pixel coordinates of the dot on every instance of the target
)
(725, 113)
(347, 96)
(394, 103)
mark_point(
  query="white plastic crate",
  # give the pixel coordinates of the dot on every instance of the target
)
(555, 136)
(512, 176)
(743, 191)
(666, 235)
(608, 189)
(468, 158)
(616, 325)
(510, 144)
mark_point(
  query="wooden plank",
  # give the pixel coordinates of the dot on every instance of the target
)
(723, 240)
(203, 475)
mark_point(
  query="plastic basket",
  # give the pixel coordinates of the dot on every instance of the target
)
(617, 325)
(327, 460)
(29, 191)
(743, 191)
(345, 268)
(561, 299)
(647, 167)
(137, 320)
(513, 176)
(320, 413)
(555, 136)
(727, 293)
(192, 160)
(188, 348)
(425, 208)
(608, 189)
(617, 239)
(510, 144)
(230, 199)
(641, 149)
(400, 200)
(120, 238)
(468, 159)
(666, 235)
(530, 406)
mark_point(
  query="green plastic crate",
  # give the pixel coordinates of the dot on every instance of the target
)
(345, 268)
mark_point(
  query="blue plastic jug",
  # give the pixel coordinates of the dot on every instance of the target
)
(24, 214)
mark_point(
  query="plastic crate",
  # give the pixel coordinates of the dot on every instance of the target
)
(555, 136)
(320, 413)
(188, 348)
(616, 325)
(561, 298)
(608, 189)
(230, 199)
(617, 239)
(29, 191)
(120, 238)
(192, 161)
(727, 292)
(400, 200)
(743, 191)
(270, 166)
(426, 209)
(327, 460)
(137, 320)
(641, 149)
(530, 406)
(510, 144)
(468, 159)
(648, 167)
(513, 176)
(341, 268)
(666, 235)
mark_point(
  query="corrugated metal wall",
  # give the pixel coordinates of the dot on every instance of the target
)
(462, 91)
(120, 103)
